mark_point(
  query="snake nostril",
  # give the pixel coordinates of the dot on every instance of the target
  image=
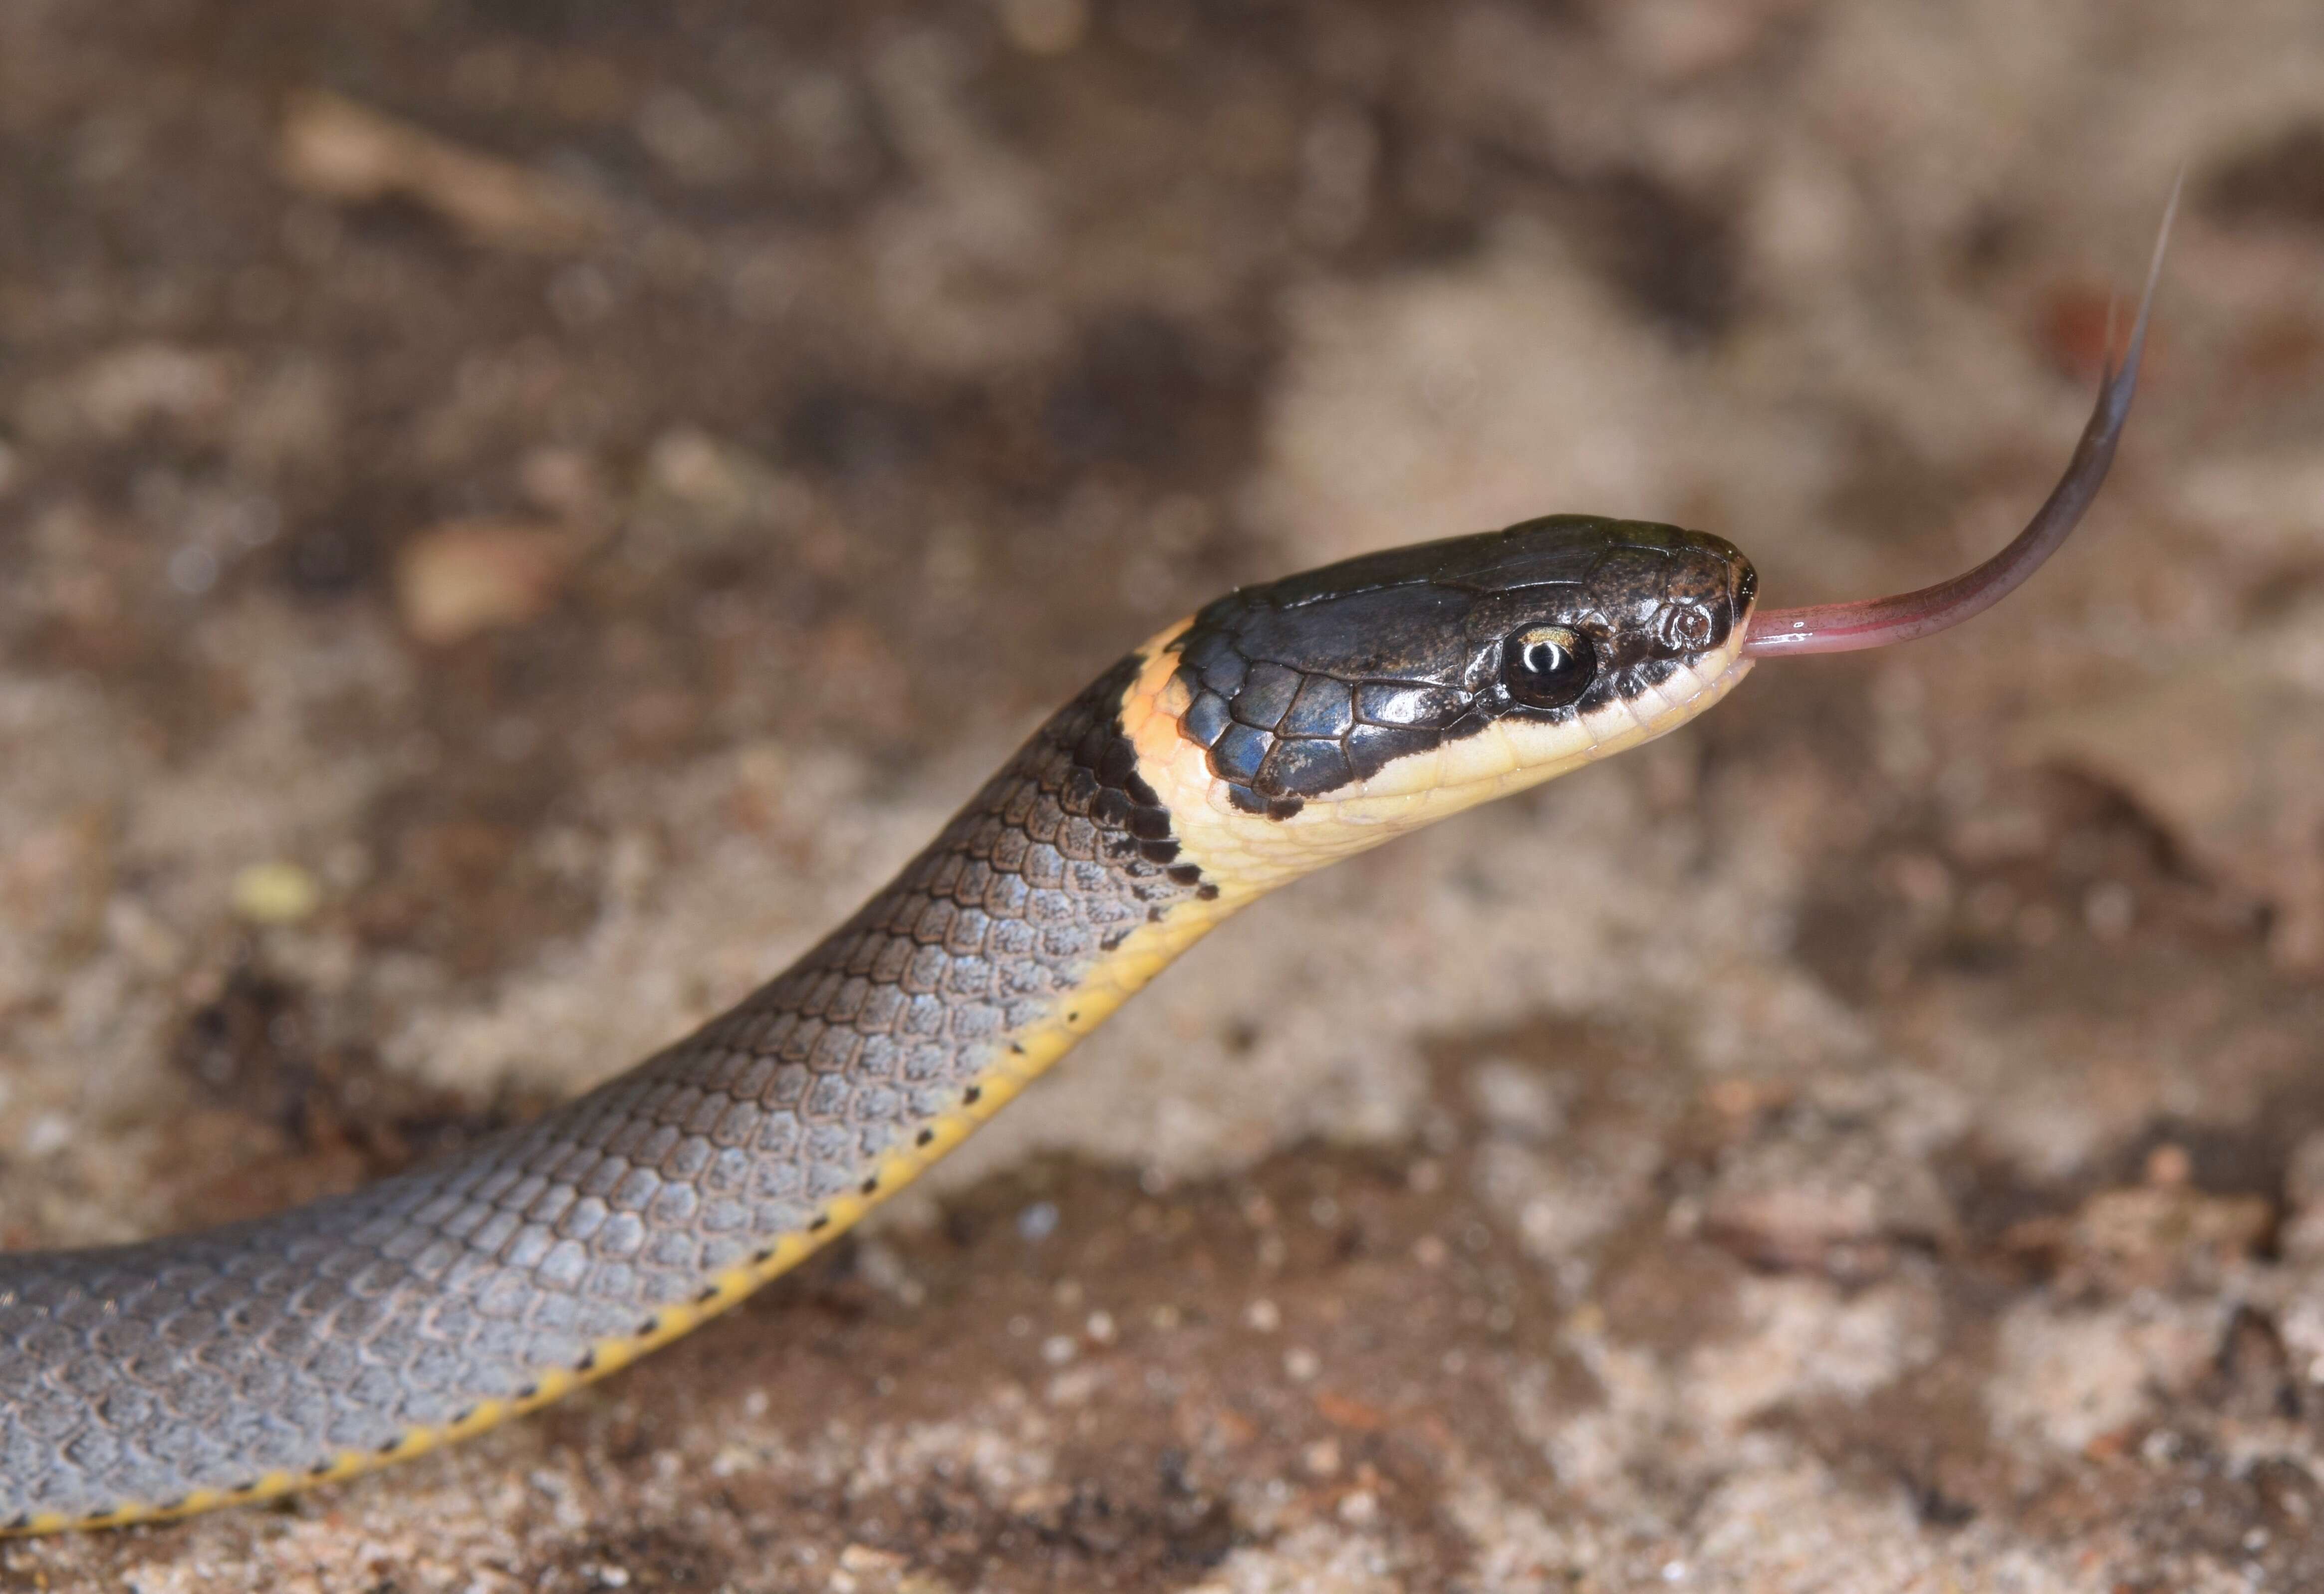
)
(1684, 627)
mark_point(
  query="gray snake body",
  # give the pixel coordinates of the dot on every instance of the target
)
(149, 1377)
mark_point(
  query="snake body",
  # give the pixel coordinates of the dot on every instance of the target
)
(1278, 729)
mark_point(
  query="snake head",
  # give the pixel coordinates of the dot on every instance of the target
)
(1479, 662)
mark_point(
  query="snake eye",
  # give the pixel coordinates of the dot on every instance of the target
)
(1548, 665)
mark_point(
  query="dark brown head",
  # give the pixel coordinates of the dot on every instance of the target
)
(1565, 631)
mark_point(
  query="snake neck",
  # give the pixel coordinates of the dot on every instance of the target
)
(161, 1378)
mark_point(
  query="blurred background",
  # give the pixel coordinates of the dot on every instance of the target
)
(515, 514)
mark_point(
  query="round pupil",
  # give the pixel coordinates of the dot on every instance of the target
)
(1548, 665)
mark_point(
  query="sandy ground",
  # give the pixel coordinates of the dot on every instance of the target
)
(514, 514)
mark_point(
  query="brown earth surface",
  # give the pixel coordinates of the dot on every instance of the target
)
(514, 514)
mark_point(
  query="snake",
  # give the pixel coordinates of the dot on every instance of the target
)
(1283, 727)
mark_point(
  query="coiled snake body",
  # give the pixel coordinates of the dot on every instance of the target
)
(1278, 729)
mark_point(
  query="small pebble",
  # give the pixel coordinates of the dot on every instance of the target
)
(462, 578)
(276, 893)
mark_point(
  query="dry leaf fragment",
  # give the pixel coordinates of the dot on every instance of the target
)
(348, 152)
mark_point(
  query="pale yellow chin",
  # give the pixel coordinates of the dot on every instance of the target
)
(1246, 853)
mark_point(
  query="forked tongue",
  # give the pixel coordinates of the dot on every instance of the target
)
(1874, 622)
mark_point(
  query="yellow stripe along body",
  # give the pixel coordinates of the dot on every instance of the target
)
(156, 1381)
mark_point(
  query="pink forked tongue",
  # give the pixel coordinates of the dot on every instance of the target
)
(1874, 622)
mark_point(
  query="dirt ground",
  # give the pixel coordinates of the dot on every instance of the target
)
(514, 514)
